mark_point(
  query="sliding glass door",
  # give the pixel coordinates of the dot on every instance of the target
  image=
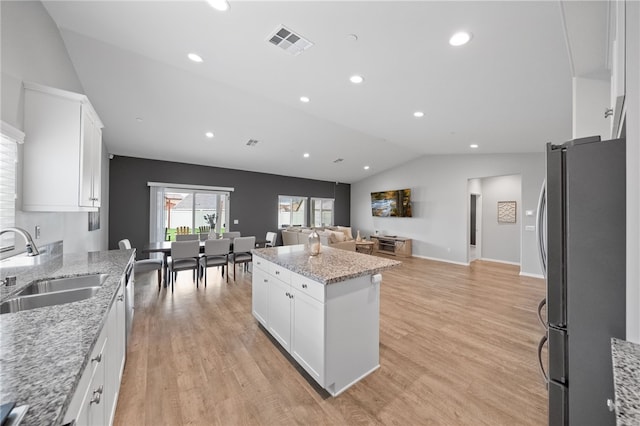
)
(189, 208)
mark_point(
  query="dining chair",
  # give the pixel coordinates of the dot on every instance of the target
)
(185, 255)
(231, 235)
(242, 247)
(187, 237)
(144, 265)
(271, 239)
(216, 253)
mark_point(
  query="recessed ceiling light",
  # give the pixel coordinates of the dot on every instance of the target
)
(356, 79)
(418, 114)
(195, 57)
(473, 145)
(220, 5)
(460, 38)
(209, 134)
(305, 155)
(304, 99)
(366, 167)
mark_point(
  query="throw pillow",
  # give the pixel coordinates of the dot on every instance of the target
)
(347, 232)
(337, 237)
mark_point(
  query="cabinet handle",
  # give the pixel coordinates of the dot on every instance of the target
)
(608, 112)
(97, 358)
(99, 390)
(287, 294)
(277, 272)
(121, 298)
(266, 280)
(95, 399)
(291, 296)
(304, 286)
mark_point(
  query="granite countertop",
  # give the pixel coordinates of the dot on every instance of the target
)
(44, 351)
(330, 266)
(626, 378)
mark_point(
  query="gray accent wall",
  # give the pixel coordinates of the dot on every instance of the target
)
(254, 201)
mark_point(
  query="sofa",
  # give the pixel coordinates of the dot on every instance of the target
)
(338, 237)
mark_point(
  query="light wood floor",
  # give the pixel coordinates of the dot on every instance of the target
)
(457, 347)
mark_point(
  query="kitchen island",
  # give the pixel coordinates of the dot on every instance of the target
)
(324, 310)
(45, 353)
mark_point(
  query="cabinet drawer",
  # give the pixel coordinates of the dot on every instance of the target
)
(308, 286)
(260, 263)
(279, 272)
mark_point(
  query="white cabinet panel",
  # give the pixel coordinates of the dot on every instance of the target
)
(280, 312)
(260, 296)
(308, 334)
(62, 151)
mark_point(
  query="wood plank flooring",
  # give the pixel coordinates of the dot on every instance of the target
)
(457, 347)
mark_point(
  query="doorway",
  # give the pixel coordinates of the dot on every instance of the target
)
(475, 223)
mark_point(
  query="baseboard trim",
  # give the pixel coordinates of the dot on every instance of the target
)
(500, 261)
(526, 274)
(442, 260)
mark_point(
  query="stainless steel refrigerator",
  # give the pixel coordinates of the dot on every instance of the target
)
(581, 228)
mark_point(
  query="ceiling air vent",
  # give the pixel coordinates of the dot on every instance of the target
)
(252, 142)
(338, 160)
(289, 41)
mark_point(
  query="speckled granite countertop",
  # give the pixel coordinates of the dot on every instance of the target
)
(44, 351)
(626, 378)
(330, 266)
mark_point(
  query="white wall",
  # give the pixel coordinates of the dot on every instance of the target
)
(501, 241)
(439, 186)
(32, 50)
(590, 98)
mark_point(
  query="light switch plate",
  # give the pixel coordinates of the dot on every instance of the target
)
(37, 232)
(529, 212)
(235, 221)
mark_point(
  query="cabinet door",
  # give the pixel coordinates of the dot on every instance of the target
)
(115, 354)
(87, 136)
(279, 307)
(93, 406)
(260, 296)
(307, 334)
(97, 166)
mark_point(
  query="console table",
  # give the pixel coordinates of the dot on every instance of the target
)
(392, 244)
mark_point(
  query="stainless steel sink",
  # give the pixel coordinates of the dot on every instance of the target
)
(34, 301)
(63, 284)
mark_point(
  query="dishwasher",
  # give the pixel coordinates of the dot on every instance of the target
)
(128, 299)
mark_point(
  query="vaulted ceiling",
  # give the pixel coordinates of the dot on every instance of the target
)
(508, 90)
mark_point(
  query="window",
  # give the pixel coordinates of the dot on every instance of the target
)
(322, 212)
(292, 211)
(8, 161)
(188, 206)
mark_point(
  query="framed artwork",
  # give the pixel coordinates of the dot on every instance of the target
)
(94, 220)
(506, 212)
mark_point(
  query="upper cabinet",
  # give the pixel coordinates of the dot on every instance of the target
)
(618, 63)
(62, 151)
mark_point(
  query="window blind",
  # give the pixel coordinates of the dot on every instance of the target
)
(8, 162)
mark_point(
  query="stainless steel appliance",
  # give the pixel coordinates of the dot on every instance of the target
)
(581, 224)
(128, 298)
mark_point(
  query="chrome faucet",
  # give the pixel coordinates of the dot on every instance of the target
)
(32, 249)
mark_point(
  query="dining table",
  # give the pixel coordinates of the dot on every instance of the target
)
(164, 247)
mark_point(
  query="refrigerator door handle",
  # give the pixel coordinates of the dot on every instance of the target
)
(541, 305)
(545, 377)
(541, 228)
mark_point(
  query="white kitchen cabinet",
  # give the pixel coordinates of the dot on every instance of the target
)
(260, 290)
(330, 330)
(307, 334)
(95, 399)
(62, 151)
(618, 64)
(279, 322)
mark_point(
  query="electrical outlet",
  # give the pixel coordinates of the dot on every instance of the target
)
(37, 232)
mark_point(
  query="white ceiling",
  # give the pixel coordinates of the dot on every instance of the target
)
(508, 90)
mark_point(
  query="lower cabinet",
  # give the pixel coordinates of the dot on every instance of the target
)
(94, 401)
(332, 331)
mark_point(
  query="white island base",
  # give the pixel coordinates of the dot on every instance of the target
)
(331, 330)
